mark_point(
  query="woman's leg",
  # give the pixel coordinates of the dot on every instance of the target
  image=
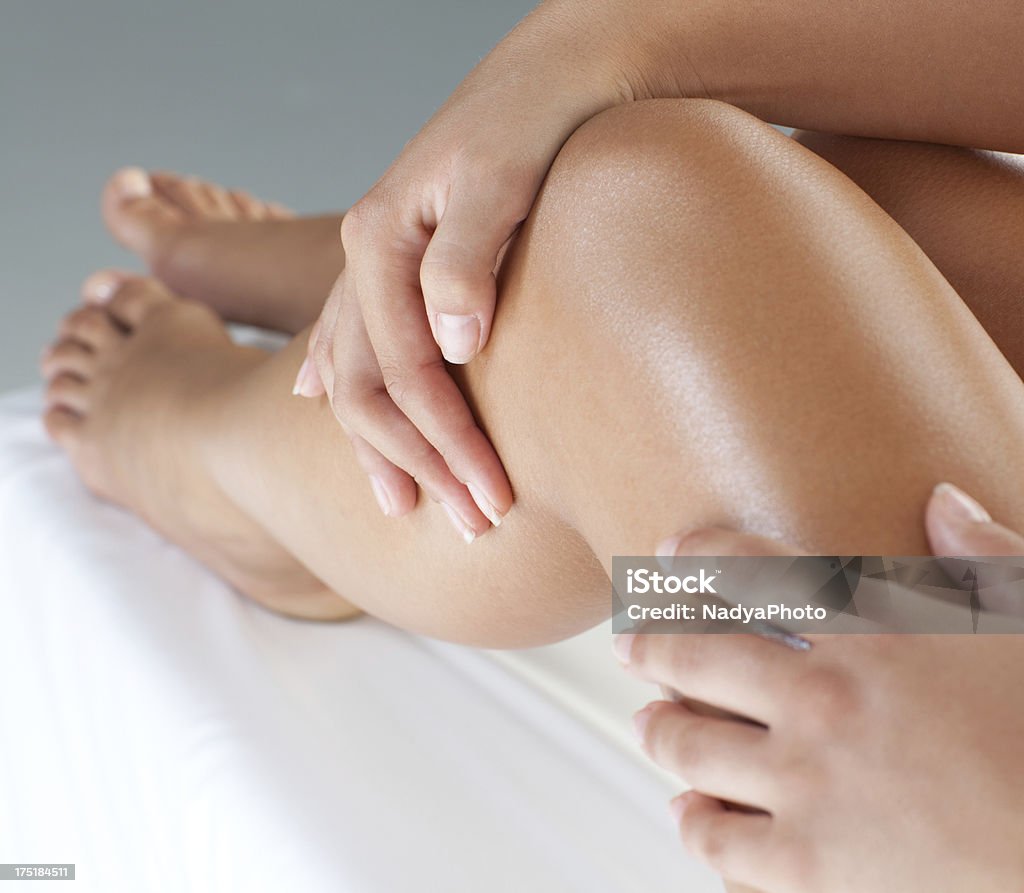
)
(964, 207)
(700, 323)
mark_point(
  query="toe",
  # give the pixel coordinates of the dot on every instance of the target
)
(278, 211)
(92, 326)
(217, 201)
(249, 207)
(193, 197)
(135, 299)
(68, 357)
(138, 217)
(68, 392)
(62, 425)
(100, 286)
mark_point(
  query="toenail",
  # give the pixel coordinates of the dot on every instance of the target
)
(133, 182)
(100, 287)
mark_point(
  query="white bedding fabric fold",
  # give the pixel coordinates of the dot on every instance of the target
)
(165, 734)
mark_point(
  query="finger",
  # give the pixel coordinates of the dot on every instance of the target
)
(714, 541)
(364, 407)
(67, 356)
(310, 382)
(737, 845)
(394, 490)
(742, 674)
(958, 525)
(720, 757)
(316, 374)
(457, 271)
(413, 369)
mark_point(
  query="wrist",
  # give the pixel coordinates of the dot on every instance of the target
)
(633, 52)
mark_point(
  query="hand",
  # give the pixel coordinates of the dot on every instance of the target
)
(422, 248)
(867, 762)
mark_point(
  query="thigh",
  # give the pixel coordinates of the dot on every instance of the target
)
(704, 323)
(700, 323)
(964, 207)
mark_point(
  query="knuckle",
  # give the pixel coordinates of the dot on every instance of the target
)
(687, 751)
(441, 273)
(707, 842)
(797, 863)
(360, 220)
(828, 697)
(505, 175)
(801, 773)
(405, 385)
(684, 661)
(349, 403)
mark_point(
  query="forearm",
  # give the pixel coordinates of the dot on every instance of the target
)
(942, 71)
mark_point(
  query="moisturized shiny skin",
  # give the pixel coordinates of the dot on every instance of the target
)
(701, 322)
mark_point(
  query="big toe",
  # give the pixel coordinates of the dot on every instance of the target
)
(127, 299)
(139, 218)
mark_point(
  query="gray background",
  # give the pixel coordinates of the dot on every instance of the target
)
(305, 102)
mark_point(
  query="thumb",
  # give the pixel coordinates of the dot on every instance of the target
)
(718, 541)
(457, 272)
(958, 525)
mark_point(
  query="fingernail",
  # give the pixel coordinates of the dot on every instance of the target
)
(307, 382)
(134, 182)
(668, 548)
(484, 504)
(465, 531)
(677, 806)
(959, 505)
(622, 646)
(457, 336)
(381, 494)
(640, 720)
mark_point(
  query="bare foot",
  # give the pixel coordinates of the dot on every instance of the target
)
(251, 261)
(125, 374)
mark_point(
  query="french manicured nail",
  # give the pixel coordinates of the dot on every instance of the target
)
(457, 336)
(134, 182)
(381, 494)
(622, 646)
(465, 531)
(100, 287)
(484, 504)
(677, 806)
(640, 720)
(307, 382)
(959, 505)
(668, 548)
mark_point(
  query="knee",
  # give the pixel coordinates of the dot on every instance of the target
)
(644, 196)
(648, 156)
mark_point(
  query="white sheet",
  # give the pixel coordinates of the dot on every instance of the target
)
(167, 735)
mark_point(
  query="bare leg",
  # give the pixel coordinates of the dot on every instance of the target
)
(964, 207)
(701, 323)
